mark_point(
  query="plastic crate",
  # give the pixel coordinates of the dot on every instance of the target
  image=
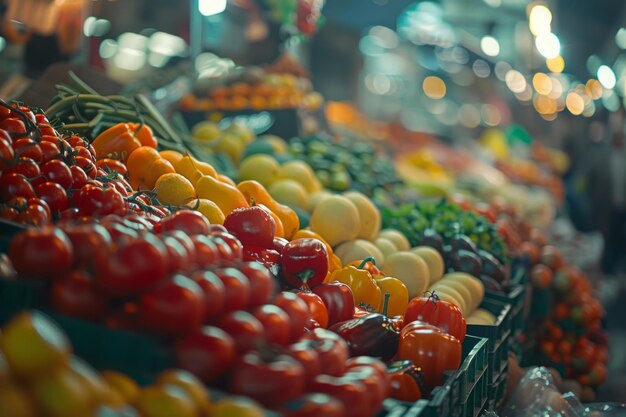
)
(496, 391)
(19, 295)
(498, 337)
(516, 297)
(395, 408)
(445, 400)
(473, 370)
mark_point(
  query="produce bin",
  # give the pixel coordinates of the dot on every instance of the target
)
(496, 391)
(515, 296)
(16, 296)
(473, 371)
(497, 335)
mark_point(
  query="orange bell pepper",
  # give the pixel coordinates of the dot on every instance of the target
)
(119, 141)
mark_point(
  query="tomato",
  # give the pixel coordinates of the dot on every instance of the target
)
(332, 350)
(7, 155)
(133, 267)
(262, 284)
(75, 294)
(313, 405)
(47, 130)
(305, 262)
(207, 353)
(442, 314)
(88, 166)
(297, 310)
(112, 165)
(172, 307)
(338, 299)
(9, 213)
(376, 386)
(26, 147)
(75, 141)
(352, 393)
(230, 244)
(275, 323)
(28, 168)
(214, 293)
(53, 194)
(431, 349)
(541, 276)
(94, 200)
(13, 125)
(252, 225)
(217, 228)
(207, 255)
(178, 256)
(237, 295)
(71, 213)
(15, 185)
(316, 306)
(378, 365)
(279, 244)
(266, 257)
(91, 241)
(57, 171)
(406, 381)
(35, 215)
(49, 151)
(244, 328)
(41, 253)
(189, 221)
(269, 379)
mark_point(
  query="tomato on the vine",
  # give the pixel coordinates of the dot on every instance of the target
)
(28, 168)
(57, 171)
(15, 185)
(26, 147)
(35, 215)
(49, 151)
(75, 294)
(53, 194)
(253, 226)
(88, 166)
(41, 253)
(13, 125)
(6, 153)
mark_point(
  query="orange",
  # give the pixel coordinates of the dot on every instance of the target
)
(15, 402)
(61, 394)
(93, 384)
(172, 156)
(258, 102)
(33, 345)
(241, 89)
(140, 158)
(238, 103)
(189, 383)
(122, 385)
(220, 92)
(166, 401)
(147, 176)
(262, 90)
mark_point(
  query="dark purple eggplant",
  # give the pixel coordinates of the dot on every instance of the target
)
(371, 335)
(461, 241)
(466, 261)
(491, 284)
(431, 238)
(492, 267)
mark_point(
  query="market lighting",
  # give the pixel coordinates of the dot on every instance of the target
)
(481, 68)
(548, 45)
(606, 76)
(593, 88)
(542, 83)
(469, 116)
(539, 20)
(575, 103)
(610, 101)
(515, 81)
(211, 7)
(434, 87)
(557, 88)
(502, 68)
(556, 65)
(620, 38)
(525, 95)
(544, 105)
(490, 46)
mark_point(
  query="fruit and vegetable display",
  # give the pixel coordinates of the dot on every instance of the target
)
(273, 277)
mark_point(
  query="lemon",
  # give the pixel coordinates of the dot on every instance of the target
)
(122, 385)
(277, 143)
(243, 132)
(172, 156)
(300, 171)
(166, 401)
(368, 213)
(260, 167)
(33, 344)
(336, 219)
(290, 193)
(206, 131)
(235, 406)
(189, 383)
(174, 189)
(61, 394)
(211, 211)
(230, 145)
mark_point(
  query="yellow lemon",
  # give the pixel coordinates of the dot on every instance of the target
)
(174, 189)
(231, 145)
(211, 211)
(260, 167)
(301, 172)
(172, 156)
(122, 385)
(61, 394)
(289, 192)
(336, 219)
(206, 131)
(189, 383)
(166, 401)
(243, 132)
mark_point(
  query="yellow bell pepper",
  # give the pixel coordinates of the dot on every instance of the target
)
(398, 296)
(366, 292)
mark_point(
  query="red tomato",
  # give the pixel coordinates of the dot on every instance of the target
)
(190, 221)
(178, 256)
(75, 141)
(88, 166)
(353, 394)
(13, 125)
(47, 130)
(377, 387)
(79, 178)
(49, 151)
(75, 294)
(7, 155)
(376, 364)
(9, 213)
(541, 276)
(237, 296)
(53, 194)
(270, 380)
(297, 310)
(236, 249)
(275, 323)
(207, 353)
(26, 147)
(15, 185)
(28, 168)
(262, 284)
(313, 405)
(338, 299)
(91, 241)
(217, 228)
(207, 255)
(41, 253)
(35, 215)
(442, 314)
(214, 293)
(332, 350)
(133, 267)
(244, 328)
(253, 226)
(431, 349)
(305, 353)
(112, 165)
(266, 257)
(172, 307)
(316, 306)
(57, 171)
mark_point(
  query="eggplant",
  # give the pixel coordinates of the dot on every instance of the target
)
(461, 241)
(492, 267)
(371, 335)
(491, 284)
(466, 261)
(433, 239)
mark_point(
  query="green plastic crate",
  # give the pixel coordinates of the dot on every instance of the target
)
(473, 372)
(496, 392)
(19, 295)
(444, 400)
(516, 296)
(498, 336)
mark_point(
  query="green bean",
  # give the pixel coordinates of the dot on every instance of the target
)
(82, 85)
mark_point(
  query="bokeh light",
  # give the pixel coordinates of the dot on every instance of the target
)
(490, 46)
(548, 45)
(515, 81)
(542, 83)
(434, 87)
(539, 20)
(575, 103)
(593, 88)
(556, 65)
(606, 76)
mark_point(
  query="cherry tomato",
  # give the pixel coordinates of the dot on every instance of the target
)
(41, 253)
(88, 166)
(91, 242)
(214, 293)
(190, 221)
(13, 125)
(262, 284)
(353, 394)
(49, 151)
(9, 213)
(35, 215)
(133, 267)
(224, 250)
(26, 147)
(332, 350)
(112, 165)
(207, 353)
(316, 306)
(57, 171)
(185, 241)
(253, 226)
(275, 323)
(46, 130)
(207, 254)
(236, 249)
(269, 379)
(15, 185)
(313, 405)
(53, 194)
(28, 168)
(305, 353)
(172, 307)
(94, 200)
(244, 328)
(297, 310)
(217, 228)
(75, 141)
(7, 154)
(75, 294)
(237, 296)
